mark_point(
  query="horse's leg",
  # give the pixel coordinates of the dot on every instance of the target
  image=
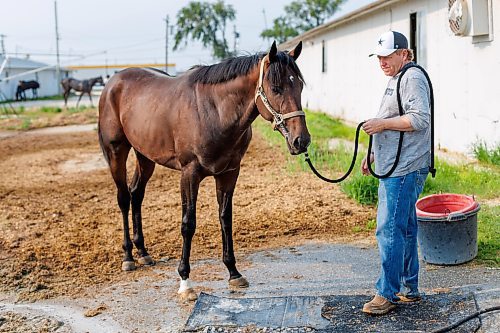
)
(144, 169)
(225, 185)
(190, 183)
(117, 153)
(79, 98)
(90, 96)
(65, 95)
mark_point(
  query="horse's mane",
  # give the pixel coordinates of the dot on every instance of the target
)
(232, 68)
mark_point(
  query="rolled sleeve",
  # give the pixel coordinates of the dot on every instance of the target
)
(416, 101)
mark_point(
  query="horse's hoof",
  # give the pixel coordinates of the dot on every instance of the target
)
(240, 282)
(146, 260)
(188, 295)
(128, 266)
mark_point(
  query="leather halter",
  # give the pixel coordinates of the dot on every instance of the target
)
(279, 118)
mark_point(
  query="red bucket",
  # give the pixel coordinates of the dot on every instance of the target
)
(442, 205)
(447, 228)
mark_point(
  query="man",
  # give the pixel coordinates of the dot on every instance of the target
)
(396, 216)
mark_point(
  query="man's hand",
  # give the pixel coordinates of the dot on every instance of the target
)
(374, 126)
(364, 165)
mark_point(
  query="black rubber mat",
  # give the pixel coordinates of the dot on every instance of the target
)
(340, 313)
(433, 312)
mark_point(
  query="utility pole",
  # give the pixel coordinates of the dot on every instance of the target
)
(2, 45)
(58, 67)
(166, 45)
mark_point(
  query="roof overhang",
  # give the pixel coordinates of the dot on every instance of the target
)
(365, 10)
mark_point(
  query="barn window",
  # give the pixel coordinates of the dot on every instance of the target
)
(413, 35)
(323, 57)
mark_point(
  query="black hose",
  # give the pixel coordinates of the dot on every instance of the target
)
(432, 170)
(466, 319)
(353, 161)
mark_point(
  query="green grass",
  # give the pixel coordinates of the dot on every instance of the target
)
(488, 235)
(49, 109)
(486, 155)
(45, 98)
(37, 117)
(481, 180)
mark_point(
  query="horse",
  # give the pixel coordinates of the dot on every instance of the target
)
(198, 123)
(25, 85)
(84, 86)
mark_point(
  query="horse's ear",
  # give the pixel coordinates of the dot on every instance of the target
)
(272, 53)
(296, 51)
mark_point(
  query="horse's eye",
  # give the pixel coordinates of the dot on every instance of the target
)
(277, 90)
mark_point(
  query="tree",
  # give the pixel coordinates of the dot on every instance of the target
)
(300, 16)
(205, 22)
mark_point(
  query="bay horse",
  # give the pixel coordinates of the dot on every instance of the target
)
(200, 124)
(83, 86)
(25, 85)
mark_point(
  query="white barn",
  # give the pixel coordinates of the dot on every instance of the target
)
(464, 64)
(16, 68)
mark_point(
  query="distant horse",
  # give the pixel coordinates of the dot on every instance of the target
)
(84, 86)
(200, 124)
(22, 86)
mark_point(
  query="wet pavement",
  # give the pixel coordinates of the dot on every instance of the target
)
(314, 271)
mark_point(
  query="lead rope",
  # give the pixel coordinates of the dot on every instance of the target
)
(432, 170)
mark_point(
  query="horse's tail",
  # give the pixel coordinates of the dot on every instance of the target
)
(101, 143)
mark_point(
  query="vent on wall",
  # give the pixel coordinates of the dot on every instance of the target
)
(457, 16)
(469, 17)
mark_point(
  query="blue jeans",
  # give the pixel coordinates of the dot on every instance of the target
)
(397, 234)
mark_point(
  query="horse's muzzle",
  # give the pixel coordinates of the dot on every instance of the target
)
(299, 144)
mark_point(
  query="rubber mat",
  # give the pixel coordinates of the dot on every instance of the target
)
(341, 313)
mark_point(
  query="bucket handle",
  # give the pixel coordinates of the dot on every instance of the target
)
(456, 216)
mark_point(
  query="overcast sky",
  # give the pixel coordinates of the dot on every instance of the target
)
(125, 31)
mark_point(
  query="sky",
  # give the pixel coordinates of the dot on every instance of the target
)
(99, 32)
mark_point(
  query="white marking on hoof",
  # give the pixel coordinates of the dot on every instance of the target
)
(128, 266)
(185, 285)
(240, 282)
(146, 260)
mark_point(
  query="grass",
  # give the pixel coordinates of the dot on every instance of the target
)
(479, 179)
(488, 235)
(45, 98)
(486, 155)
(38, 117)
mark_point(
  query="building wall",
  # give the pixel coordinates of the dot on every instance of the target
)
(47, 79)
(463, 71)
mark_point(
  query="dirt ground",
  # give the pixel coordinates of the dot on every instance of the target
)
(61, 229)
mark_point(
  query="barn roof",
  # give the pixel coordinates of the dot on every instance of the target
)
(356, 14)
(22, 63)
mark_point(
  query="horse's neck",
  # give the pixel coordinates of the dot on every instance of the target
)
(238, 97)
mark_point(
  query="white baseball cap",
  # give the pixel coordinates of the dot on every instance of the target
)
(389, 42)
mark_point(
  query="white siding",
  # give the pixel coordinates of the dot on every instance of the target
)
(464, 74)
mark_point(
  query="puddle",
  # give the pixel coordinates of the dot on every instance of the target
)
(84, 163)
(55, 316)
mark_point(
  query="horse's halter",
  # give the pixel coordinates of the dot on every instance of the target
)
(279, 118)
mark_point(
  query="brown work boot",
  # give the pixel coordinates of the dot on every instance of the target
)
(408, 299)
(378, 306)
